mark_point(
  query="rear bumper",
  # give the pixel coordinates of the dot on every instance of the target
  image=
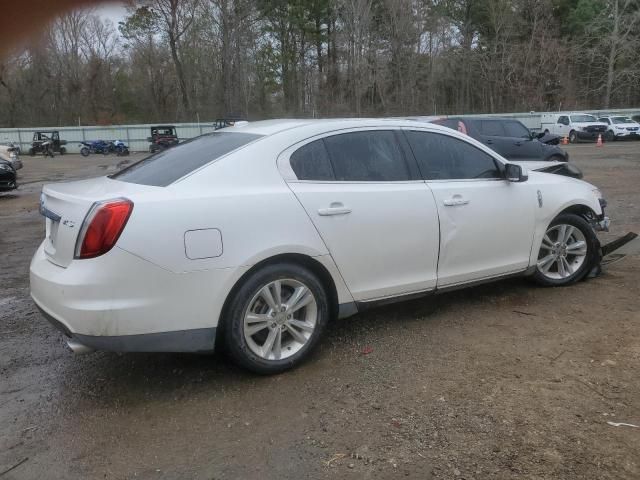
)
(120, 302)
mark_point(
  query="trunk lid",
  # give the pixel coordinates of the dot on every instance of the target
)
(65, 206)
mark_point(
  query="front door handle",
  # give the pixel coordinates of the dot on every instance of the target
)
(336, 208)
(489, 142)
(455, 201)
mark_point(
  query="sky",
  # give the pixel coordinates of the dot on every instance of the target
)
(115, 11)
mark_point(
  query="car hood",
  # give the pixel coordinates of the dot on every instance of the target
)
(589, 124)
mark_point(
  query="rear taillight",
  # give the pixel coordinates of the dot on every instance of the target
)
(102, 227)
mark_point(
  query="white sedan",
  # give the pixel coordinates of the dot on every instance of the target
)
(256, 235)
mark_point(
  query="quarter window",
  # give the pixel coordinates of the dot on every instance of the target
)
(371, 156)
(442, 157)
(311, 162)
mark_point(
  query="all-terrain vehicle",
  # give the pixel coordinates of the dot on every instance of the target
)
(162, 137)
(51, 139)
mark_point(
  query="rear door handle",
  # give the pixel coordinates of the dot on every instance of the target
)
(455, 201)
(336, 208)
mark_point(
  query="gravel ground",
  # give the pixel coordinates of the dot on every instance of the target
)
(502, 381)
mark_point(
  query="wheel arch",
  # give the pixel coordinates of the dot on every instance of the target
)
(578, 209)
(309, 262)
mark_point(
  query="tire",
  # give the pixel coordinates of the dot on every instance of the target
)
(609, 136)
(259, 351)
(32, 152)
(552, 270)
(573, 137)
(63, 150)
(84, 151)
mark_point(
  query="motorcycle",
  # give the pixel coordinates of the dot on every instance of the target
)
(95, 146)
(119, 148)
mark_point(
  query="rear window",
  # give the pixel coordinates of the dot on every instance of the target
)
(167, 166)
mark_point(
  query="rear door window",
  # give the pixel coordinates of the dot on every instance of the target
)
(492, 128)
(169, 165)
(516, 129)
(311, 162)
(441, 157)
(371, 156)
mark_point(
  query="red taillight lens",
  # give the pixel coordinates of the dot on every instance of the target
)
(102, 227)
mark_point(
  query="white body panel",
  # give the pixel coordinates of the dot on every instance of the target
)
(489, 235)
(248, 206)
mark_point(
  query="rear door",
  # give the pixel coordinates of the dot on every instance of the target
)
(492, 134)
(362, 191)
(524, 147)
(486, 222)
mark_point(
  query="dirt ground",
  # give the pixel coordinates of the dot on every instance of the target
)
(502, 381)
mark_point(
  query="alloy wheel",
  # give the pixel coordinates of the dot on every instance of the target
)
(280, 319)
(563, 252)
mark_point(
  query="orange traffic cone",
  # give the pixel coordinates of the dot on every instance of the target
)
(565, 140)
(599, 142)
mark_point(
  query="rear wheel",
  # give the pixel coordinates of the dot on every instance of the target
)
(32, 152)
(609, 136)
(573, 136)
(63, 150)
(84, 151)
(568, 251)
(276, 318)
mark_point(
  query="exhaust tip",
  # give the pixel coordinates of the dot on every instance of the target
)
(78, 348)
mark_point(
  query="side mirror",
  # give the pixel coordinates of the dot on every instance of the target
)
(514, 173)
(540, 135)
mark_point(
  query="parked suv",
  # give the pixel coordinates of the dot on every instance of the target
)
(511, 139)
(620, 127)
(576, 126)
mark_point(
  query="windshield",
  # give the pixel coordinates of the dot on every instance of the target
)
(169, 165)
(583, 118)
(619, 120)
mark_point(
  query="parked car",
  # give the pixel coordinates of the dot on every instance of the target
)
(620, 127)
(50, 139)
(7, 176)
(10, 153)
(575, 126)
(515, 142)
(162, 137)
(272, 228)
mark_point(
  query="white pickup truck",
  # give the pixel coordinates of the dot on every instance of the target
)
(576, 126)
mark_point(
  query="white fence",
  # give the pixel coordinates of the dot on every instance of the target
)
(136, 135)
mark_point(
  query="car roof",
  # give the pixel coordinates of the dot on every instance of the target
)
(318, 126)
(496, 119)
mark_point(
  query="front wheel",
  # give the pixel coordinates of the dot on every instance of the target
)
(63, 150)
(568, 251)
(84, 151)
(609, 136)
(276, 318)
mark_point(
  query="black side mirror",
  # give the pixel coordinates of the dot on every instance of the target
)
(514, 173)
(540, 135)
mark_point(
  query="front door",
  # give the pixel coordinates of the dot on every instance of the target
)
(376, 216)
(486, 222)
